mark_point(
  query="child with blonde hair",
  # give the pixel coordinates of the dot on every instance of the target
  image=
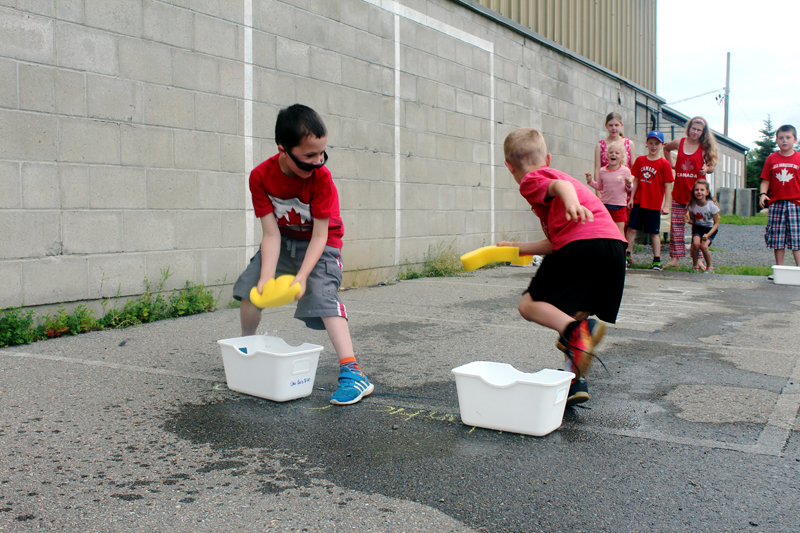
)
(576, 225)
(696, 158)
(614, 182)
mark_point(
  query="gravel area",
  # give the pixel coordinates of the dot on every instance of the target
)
(737, 245)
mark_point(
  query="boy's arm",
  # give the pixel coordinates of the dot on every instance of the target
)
(566, 192)
(542, 247)
(319, 237)
(270, 249)
(667, 198)
(764, 193)
(634, 186)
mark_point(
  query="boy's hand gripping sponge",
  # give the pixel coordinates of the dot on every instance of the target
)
(489, 254)
(276, 292)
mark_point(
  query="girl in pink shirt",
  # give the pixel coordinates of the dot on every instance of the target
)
(614, 184)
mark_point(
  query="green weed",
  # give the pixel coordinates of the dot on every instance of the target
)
(758, 220)
(16, 327)
(744, 270)
(442, 260)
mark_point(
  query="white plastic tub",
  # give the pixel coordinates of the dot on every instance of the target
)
(785, 275)
(269, 368)
(498, 396)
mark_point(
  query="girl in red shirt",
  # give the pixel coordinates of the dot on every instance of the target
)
(696, 158)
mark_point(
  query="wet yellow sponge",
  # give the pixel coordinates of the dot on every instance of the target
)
(276, 292)
(489, 254)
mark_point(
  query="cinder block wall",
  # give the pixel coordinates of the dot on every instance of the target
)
(128, 129)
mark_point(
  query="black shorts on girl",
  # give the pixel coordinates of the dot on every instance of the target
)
(562, 281)
(699, 231)
(646, 220)
(322, 287)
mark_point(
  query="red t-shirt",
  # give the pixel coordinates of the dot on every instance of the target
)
(653, 177)
(687, 168)
(783, 174)
(295, 202)
(552, 213)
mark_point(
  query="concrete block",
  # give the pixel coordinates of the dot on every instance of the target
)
(40, 7)
(91, 232)
(231, 78)
(168, 24)
(167, 106)
(198, 229)
(114, 99)
(117, 274)
(70, 92)
(326, 65)
(313, 93)
(232, 10)
(293, 57)
(27, 37)
(725, 198)
(8, 83)
(71, 10)
(39, 287)
(27, 136)
(217, 37)
(145, 61)
(217, 114)
(171, 189)
(120, 16)
(264, 49)
(745, 203)
(212, 266)
(220, 190)
(231, 154)
(273, 88)
(10, 186)
(197, 150)
(88, 141)
(74, 186)
(83, 48)
(37, 233)
(234, 229)
(11, 281)
(274, 17)
(195, 71)
(148, 230)
(180, 265)
(40, 186)
(113, 187)
(146, 146)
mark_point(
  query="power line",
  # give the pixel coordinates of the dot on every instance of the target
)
(698, 96)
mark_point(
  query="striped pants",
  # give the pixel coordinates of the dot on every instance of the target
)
(677, 226)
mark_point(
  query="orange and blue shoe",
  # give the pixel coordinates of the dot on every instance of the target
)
(597, 329)
(579, 347)
(353, 386)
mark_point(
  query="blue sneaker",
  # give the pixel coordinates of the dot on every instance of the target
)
(353, 385)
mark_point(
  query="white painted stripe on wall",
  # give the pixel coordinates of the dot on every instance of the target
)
(248, 127)
(400, 10)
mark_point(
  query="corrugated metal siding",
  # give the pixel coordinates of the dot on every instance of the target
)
(617, 34)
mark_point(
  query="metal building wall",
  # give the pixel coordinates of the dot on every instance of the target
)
(617, 34)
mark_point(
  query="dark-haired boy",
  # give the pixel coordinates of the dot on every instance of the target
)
(651, 195)
(780, 189)
(297, 203)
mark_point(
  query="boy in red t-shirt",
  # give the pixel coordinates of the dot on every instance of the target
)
(576, 226)
(651, 195)
(780, 189)
(297, 203)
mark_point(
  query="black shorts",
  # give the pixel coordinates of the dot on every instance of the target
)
(586, 275)
(646, 220)
(699, 231)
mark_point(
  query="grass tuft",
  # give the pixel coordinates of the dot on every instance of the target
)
(737, 220)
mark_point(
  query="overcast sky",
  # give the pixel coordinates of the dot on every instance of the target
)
(762, 37)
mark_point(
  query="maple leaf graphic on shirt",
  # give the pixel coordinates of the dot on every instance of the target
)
(784, 176)
(687, 166)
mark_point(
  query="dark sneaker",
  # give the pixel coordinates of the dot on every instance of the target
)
(353, 385)
(597, 329)
(578, 392)
(657, 265)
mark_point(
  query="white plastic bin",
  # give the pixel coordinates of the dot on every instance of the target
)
(498, 396)
(269, 368)
(786, 275)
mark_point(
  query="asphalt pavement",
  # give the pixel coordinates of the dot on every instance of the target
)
(692, 428)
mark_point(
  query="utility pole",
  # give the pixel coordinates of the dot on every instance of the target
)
(727, 92)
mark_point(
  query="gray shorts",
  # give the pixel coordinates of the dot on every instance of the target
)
(322, 288)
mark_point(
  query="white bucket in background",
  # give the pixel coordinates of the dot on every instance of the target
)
(269, 368)
(498, 396)
(785, 275)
